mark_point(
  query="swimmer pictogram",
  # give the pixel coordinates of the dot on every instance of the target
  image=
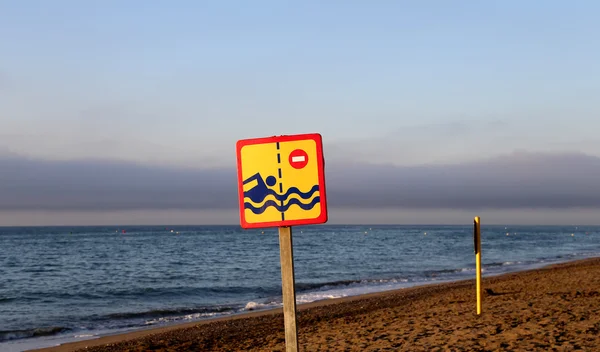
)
(281, 181)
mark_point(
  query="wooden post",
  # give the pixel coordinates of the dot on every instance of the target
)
(477, 237)
(288, 287)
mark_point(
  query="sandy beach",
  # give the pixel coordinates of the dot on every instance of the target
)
(556, 308)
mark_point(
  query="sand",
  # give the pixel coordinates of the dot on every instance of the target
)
(556, 308)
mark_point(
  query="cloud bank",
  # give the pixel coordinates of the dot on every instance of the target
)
(27, 184)
(519, 180)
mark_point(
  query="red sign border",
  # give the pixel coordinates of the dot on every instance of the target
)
(321, 170)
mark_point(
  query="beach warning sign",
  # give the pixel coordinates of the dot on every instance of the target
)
(281, 181)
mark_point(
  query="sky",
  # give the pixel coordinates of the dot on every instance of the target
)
(129, 112)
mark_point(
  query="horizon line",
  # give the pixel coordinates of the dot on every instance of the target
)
(303, 226)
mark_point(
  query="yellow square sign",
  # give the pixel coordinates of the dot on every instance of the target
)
(281, 181)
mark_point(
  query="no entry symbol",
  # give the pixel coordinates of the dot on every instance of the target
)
(298, 159)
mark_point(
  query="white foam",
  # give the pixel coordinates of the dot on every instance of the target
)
(255, 305)
(318, 296)
(353, 290)
(512, 263)
(187, 317)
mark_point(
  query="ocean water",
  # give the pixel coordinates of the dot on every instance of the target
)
(61, 284)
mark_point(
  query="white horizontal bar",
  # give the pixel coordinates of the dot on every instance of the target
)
(298, 159)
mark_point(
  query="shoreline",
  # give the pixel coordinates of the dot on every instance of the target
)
(269, 323)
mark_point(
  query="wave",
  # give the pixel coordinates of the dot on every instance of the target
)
(167, 292)
(434, 273)
(309, 286)
(172, 315)
(190, 316)
(498, 264)
(258, 306)
(312, 286)
(170, 312)
(282, 197)
(431, 273)
(84, 335)
(143, 293)
(271, 203)
(8, 335)
(6, 299)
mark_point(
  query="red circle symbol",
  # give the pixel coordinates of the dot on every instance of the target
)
(298, 159)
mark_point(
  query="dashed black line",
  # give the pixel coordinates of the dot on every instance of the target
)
(280, 183)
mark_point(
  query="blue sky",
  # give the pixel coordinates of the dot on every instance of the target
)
(390, 82)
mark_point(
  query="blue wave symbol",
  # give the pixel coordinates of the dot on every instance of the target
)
(282, 208)
(258, 197)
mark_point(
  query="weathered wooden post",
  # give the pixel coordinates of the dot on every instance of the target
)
(286, 253)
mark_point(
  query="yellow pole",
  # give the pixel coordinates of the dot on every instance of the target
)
(477, 236)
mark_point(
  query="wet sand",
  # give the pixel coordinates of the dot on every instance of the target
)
(556, 308)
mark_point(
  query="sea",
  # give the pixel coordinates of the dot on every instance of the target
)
(62, 284)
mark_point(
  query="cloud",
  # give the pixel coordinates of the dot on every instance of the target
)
(462, 141)
(425, 143)
(113, 130)
(519, 180)
(108, 185)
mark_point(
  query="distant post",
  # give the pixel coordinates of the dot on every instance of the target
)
(477, 238)
(281, 183)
